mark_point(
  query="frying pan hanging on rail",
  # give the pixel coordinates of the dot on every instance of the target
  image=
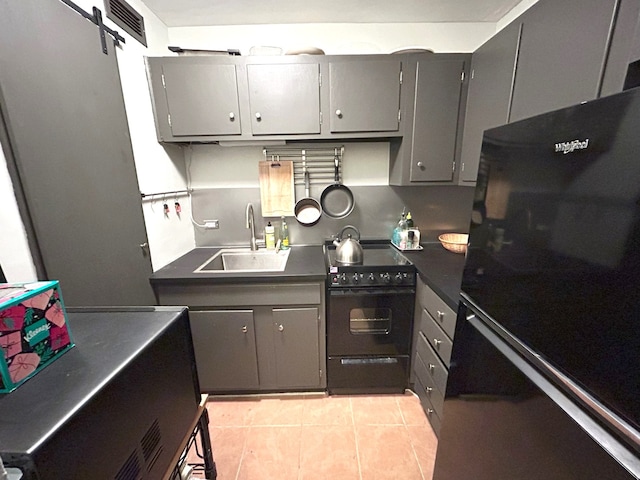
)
(308, 211)
(337, 199)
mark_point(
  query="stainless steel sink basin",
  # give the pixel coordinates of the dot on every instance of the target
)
(232, 260)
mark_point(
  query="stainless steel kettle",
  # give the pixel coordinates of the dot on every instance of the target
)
(348, 251)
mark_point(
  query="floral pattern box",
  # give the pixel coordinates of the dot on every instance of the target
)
(33, 330)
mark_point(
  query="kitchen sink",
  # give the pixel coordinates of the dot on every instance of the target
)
(231, 260)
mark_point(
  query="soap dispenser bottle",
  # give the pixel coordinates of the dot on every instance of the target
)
(284, 234)
(270, 236)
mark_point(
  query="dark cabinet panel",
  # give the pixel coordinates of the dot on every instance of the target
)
(225, 347)
(364, 96)
(563, 54)
(488, 102)
(435, 120)
(296, 335)
(284, 99)
(202, 99)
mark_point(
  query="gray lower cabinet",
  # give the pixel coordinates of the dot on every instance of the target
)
(284, 98)
(554, 55)
(225, 346)
(255, 337)
(433, 336)
(365, 95)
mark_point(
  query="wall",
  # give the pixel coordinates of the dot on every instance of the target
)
(338, 38)
(225, 179)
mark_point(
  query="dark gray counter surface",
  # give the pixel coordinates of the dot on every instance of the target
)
(306, 262)
(440, 269)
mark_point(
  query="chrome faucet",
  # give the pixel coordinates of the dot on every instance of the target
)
(250, 223)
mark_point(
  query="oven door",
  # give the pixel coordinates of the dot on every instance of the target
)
(370, 321)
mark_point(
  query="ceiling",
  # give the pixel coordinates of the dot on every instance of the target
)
(184, 13)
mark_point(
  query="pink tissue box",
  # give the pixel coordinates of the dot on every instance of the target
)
(33, 330)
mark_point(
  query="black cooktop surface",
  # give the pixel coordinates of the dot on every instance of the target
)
(374, 255)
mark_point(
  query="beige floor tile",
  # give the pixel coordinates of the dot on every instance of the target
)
(278, 411)
(424, 443)
(411, 409)
(327, 411)
(230, 413)
(271, 453)
(227, 444)
(328, 452)
(376, 410)
(385, 453)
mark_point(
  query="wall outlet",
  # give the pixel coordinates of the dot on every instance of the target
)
(211, 224)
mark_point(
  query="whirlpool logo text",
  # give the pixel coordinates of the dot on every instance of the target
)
(568, 147)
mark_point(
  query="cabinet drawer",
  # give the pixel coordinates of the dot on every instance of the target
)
(433, 393)
(434, 366)
(439, 310)
(432, 415)
(441, 344)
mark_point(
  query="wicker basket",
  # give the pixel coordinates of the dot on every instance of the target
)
(454, 242)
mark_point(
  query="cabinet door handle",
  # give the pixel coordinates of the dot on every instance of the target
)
(437, 342)
(420, 164)
(440, 315)
(429, 411)
(428, 390)
(232, 116)
(432, 368)
(258, 116)
(281, 328)
(339, 113)
(244, 329)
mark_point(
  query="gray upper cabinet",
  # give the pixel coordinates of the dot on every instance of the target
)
(284, 98)
(563, 53)
(202, 99)
(492, 75)
(554, 55)
(364, 96)
(429, 148)
(435, 119)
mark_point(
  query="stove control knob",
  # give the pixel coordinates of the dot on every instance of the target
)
(371, 278)
(356, 278)
(386, 278)
(343, 279)
(398, 278)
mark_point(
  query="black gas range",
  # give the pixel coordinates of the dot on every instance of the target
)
(369, 321)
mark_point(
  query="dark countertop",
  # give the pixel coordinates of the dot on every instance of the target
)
(440, 269)
(306, 262)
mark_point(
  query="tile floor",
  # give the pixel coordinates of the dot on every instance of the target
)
(314, 437)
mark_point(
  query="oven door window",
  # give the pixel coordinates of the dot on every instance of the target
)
(370, 321)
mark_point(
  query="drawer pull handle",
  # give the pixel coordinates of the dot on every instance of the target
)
(244, 329)
(432, 367)
(428, 390)
(437, 342)
(440, 315)
(429, 411)
(281, 328)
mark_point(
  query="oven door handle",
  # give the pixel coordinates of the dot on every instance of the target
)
(348, 292)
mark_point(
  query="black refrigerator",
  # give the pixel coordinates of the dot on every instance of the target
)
(544, 381)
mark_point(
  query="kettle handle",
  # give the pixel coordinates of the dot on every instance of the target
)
(346, 227)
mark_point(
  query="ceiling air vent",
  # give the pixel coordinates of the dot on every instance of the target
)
(123, 15)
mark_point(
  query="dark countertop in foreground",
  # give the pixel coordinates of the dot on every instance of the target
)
(306, 262)
(440, 269)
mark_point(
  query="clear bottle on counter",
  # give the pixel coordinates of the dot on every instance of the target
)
(270, 236)
(284, 234)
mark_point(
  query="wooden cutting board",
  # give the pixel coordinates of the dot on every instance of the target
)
(277, 192)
